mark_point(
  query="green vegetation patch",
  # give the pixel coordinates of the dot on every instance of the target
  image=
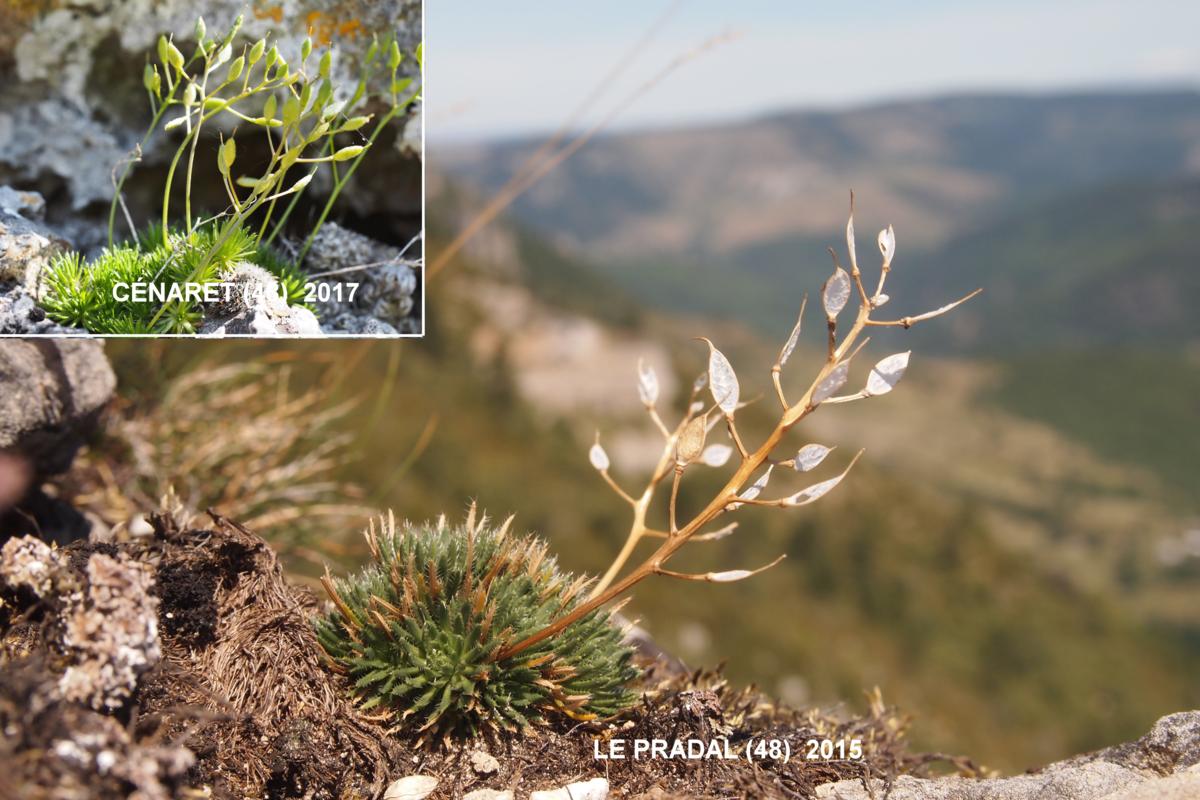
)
(111, 296)
(422, 629)
(1137, 408)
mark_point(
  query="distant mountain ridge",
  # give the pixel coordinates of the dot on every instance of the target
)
(1073, 209)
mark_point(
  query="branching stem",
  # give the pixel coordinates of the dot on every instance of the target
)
(609, 587)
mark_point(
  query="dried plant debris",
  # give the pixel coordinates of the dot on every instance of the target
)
(243, 701)
(275, 465)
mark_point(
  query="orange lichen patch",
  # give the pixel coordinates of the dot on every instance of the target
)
(351, 29)
(14, 11)
(323, 27)
(274, 13)
(16, 17)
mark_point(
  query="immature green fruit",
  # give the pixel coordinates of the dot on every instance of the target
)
(348, 152)
(256, 51)
(419, 630)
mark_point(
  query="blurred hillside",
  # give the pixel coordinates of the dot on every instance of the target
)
(1076, 212)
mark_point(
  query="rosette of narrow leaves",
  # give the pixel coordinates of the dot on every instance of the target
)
(420, 633)
(86, 295)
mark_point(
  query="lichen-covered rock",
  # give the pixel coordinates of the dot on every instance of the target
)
(112, 631)
(51, 391)
(54, 748)
(26, 245)
(350, 324)
(29, 205)
(20, 315)
(108, 621)
(1152, 766)
(28, 563)
(387, 284)
(100, 746)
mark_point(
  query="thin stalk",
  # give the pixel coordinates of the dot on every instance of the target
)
(112, 209)
(339, 185)
(187, 189)
(179, 154)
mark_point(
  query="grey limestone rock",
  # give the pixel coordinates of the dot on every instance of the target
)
(26, 245)
(51, 391)
(1163, 763)
(388, 285)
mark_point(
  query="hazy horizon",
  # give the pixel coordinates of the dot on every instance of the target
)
(621, 126)
(521, 69)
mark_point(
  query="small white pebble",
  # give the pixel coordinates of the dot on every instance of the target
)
(411, 787)
(488, 794)
(140, 526)
(595, 789)
(484, 763)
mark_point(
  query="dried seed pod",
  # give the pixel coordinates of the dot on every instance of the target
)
(691, 441)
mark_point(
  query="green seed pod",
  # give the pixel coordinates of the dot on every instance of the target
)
(189, 95)
(347, 153)
(235, 69)
(272, 56)
(332, 110)
(419, 633)
(353, 124)
(256, 51)
(326, 63)
(420, 55)
(269, 107)
(324, 93)
(395, 57)
(290, 155)
(201, 29)
(162, 50)
(305, 96)
(291, 111)
(237, 26)
(300, 184)
(372, 51)
(399, 85)
(318, 131)
(149, 79)
(305, 48)
(174, 57)
(215, 103)
(226, 155)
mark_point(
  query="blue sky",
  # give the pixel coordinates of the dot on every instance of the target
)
(520, 66)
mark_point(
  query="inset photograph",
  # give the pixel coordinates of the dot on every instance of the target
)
(211, 169)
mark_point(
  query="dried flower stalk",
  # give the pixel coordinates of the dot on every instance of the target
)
(684, 444)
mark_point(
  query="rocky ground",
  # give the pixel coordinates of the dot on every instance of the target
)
(72, 108)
